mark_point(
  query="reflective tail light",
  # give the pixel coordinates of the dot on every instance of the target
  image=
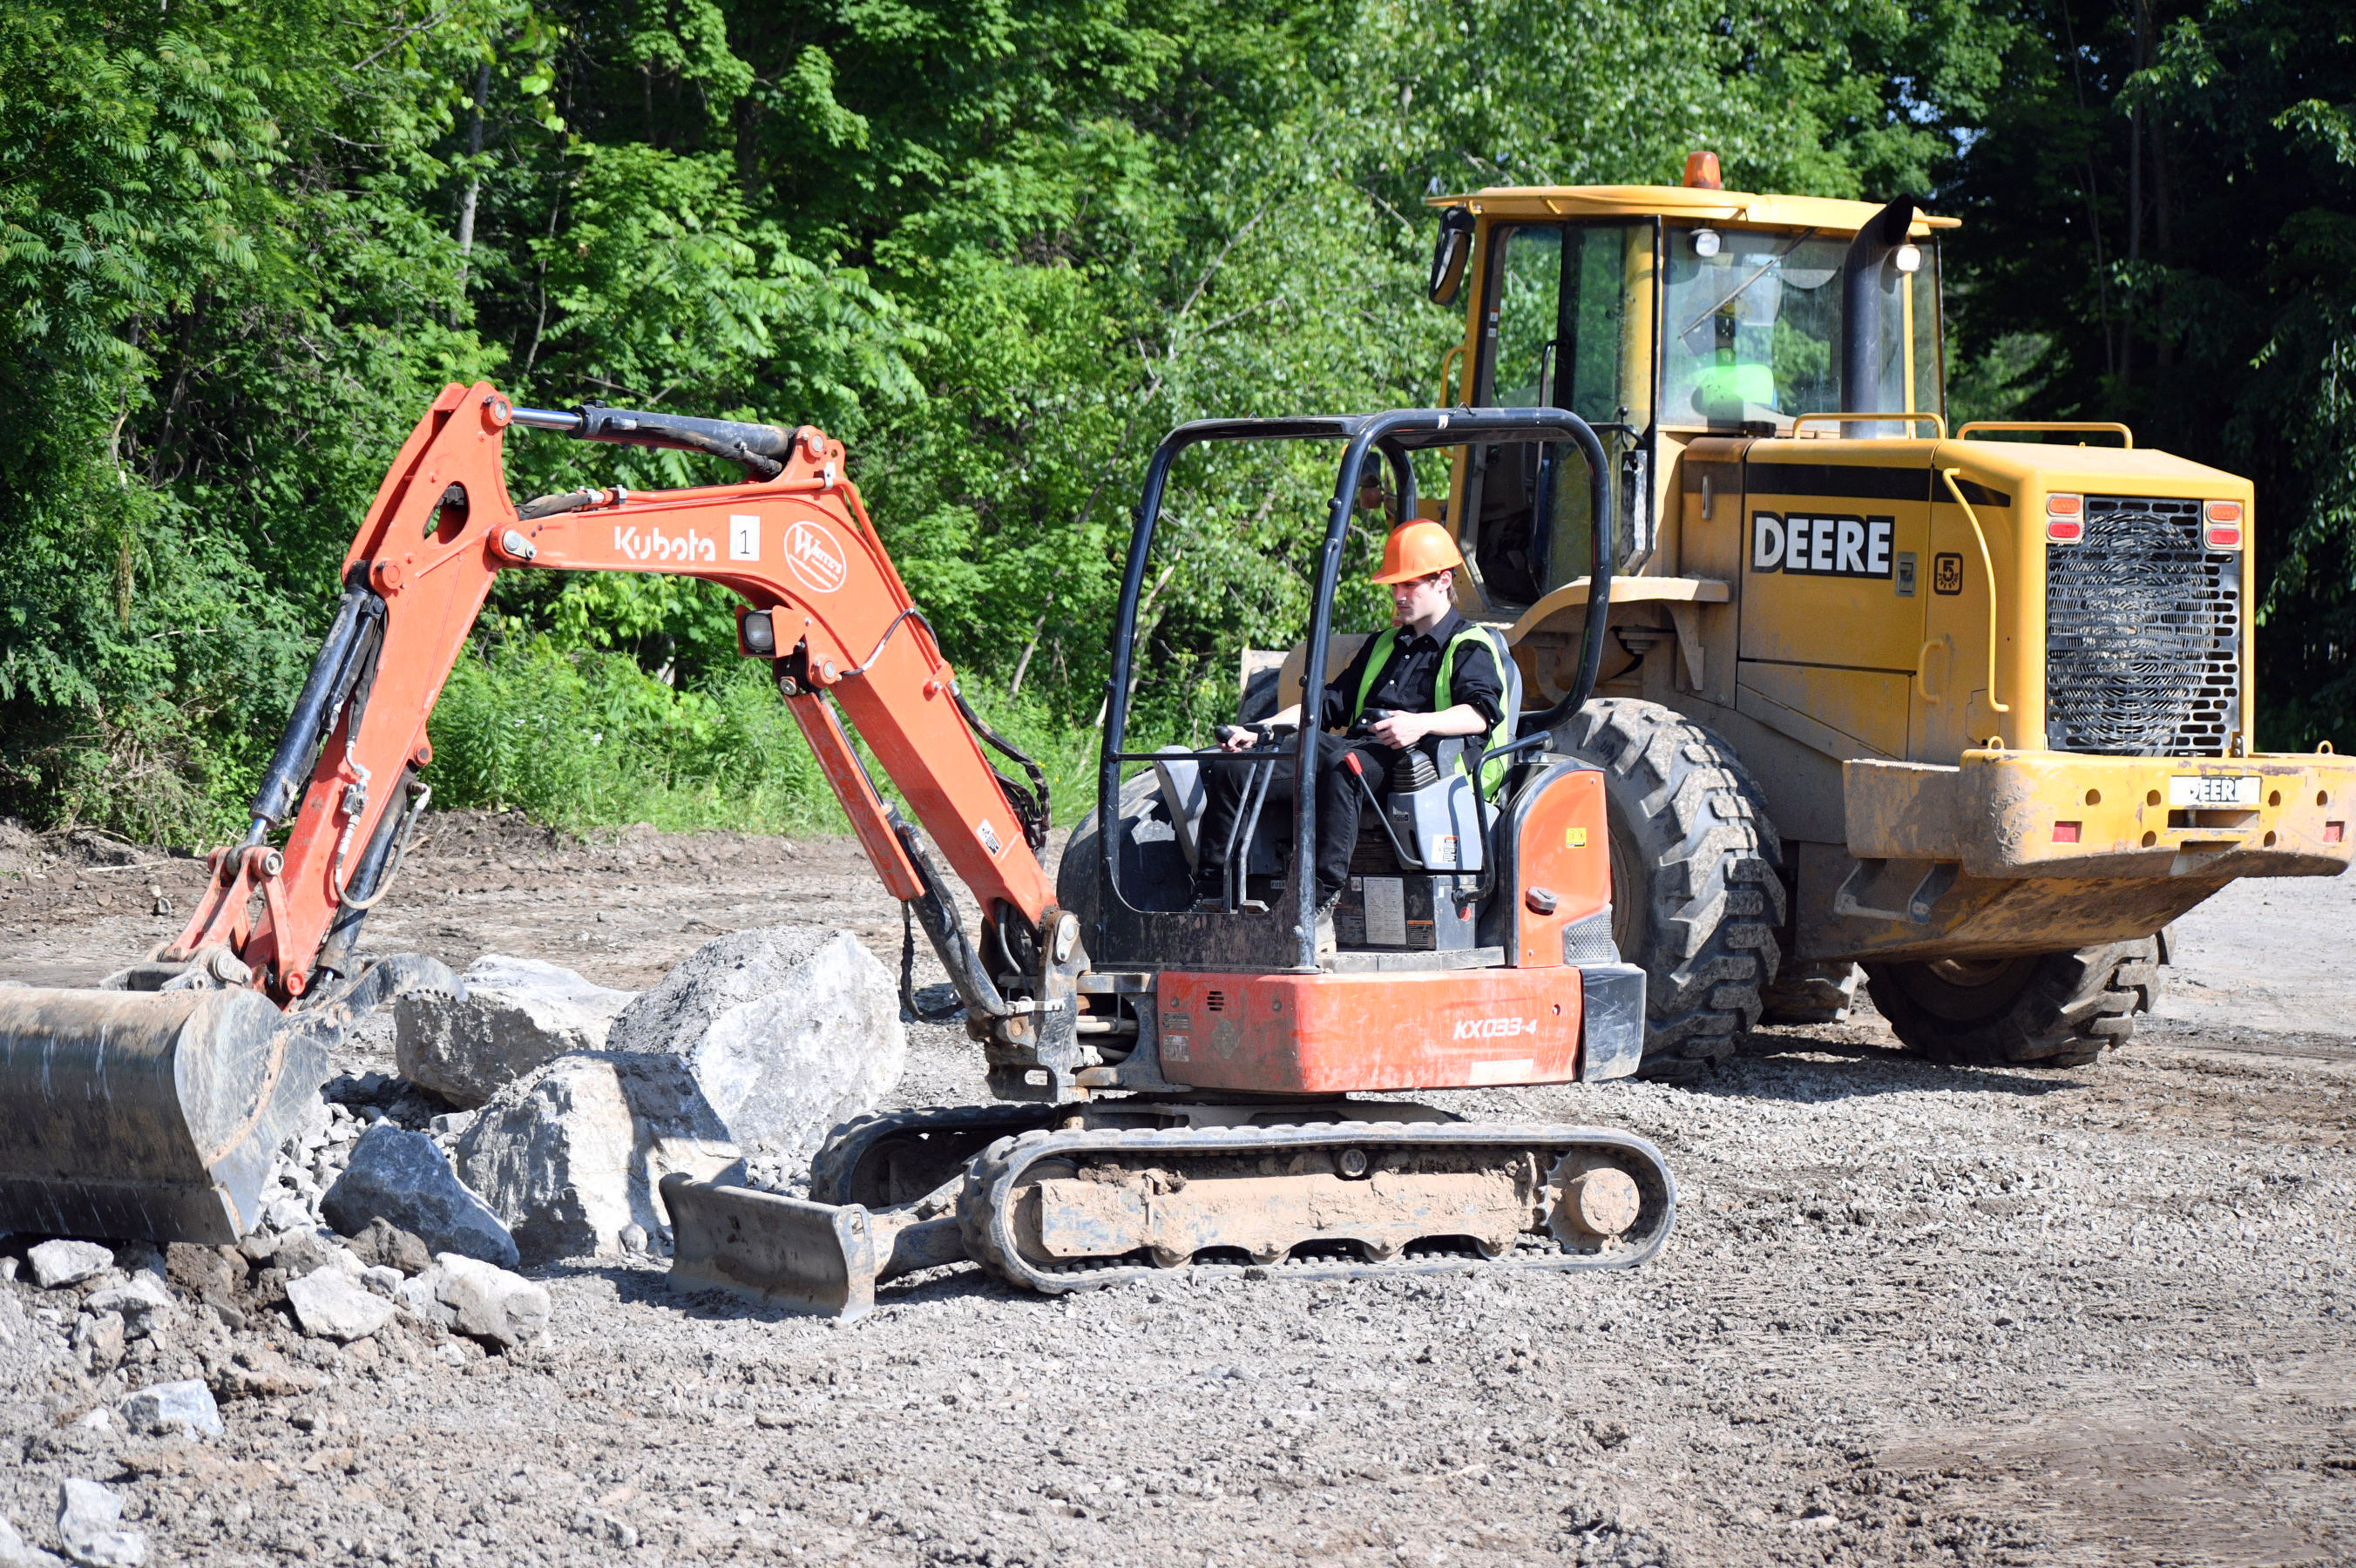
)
(2066, 518)
(2221, 524)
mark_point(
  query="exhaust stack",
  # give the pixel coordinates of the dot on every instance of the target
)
(1863, 272)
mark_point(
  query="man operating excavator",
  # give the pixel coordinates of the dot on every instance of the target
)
(1429, 675)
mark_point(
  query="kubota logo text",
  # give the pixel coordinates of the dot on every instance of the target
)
(813, 555)
(653, 544)
(1494, 1029)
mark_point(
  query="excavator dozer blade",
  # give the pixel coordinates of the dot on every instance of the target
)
(814, 1258)
(146, 1114)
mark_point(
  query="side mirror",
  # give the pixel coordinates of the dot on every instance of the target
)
(1449, 254)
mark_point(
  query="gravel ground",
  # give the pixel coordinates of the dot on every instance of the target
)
(1910, 1314)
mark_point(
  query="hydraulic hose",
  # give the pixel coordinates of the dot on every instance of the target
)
(342, 657)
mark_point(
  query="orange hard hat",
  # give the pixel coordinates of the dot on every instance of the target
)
(1418, 550)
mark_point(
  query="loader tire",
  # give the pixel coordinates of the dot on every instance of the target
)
(2048, 1009)
(1810, 994)
(1696, 900)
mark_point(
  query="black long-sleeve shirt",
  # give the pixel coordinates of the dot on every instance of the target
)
(1408, 680)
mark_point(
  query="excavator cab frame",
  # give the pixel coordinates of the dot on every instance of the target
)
(1282, 936)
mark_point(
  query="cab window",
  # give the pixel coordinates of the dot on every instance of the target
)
(1752, 323)
(1568, 323)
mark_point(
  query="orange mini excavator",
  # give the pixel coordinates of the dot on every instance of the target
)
(1175, 1079)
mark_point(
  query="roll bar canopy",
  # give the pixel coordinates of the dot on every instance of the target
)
(1393, 434)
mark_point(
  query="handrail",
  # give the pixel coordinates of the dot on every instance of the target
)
(1455, 352)
(2126, 436)
(1937, 421)
(1987, 562)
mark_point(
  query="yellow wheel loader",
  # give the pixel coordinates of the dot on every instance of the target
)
(1970, 708)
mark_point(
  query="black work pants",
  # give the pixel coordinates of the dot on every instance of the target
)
(1339, 799)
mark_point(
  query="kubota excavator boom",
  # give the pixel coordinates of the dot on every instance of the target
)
(821, 596)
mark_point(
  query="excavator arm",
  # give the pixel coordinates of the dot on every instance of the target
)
(823, 601)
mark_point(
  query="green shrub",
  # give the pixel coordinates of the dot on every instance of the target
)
(583, 738)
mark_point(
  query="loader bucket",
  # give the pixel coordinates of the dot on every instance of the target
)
(786, 1251)
(144, 1115)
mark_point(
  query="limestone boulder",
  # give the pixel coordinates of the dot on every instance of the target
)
(186, 1407)
(510, 1016)
(331, 1304)
(405, 1179)
(62, 1262)
(789, 1030)
(89, 1527)
(396, 975)
(489, 1302)
(571, 1157)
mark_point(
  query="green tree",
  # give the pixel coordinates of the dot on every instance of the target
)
(2161, 229)
(998, 245)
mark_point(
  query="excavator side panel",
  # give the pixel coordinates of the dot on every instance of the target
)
(1346, 1034)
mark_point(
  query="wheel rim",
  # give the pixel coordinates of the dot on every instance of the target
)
(1968, 990)
(1971, 974)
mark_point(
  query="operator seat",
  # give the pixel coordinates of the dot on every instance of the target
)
(1178, 773)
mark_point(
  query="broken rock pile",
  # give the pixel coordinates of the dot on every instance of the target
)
(574, 1101)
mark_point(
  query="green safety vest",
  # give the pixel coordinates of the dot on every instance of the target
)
(1493, 771)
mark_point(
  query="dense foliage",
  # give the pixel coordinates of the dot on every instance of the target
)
(999, 246)
(2161, 229)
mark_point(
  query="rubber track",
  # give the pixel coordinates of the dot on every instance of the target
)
(1715, 900)
(984, 1212)
(838, 1159)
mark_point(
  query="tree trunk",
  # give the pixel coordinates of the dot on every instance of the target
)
(474, 174)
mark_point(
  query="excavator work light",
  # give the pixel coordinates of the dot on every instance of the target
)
(756, 635)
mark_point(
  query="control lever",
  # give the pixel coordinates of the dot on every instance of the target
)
(1382, 817)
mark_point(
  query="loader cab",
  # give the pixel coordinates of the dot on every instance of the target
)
(1661, 315)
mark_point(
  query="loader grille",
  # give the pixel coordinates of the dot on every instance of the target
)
(2142, 633)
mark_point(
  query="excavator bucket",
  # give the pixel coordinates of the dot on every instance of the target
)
(814, 1258)
(146, 1114)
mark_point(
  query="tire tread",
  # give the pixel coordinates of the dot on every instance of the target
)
(1717, 901)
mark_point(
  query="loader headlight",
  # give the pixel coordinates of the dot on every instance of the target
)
(1705, 242)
